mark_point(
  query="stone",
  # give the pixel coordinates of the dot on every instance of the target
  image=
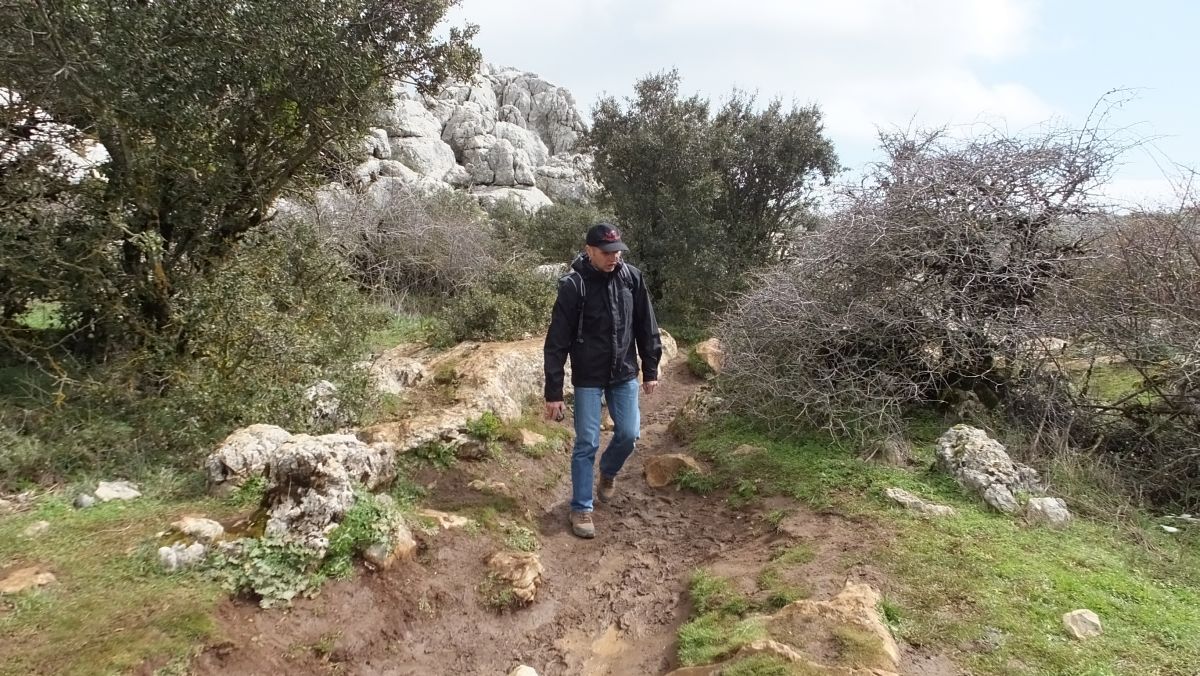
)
(892, 451)
(981, 464)
(397, 169)
(408, 118)
(1050, 511)
(522, 570)
(670, 349)
(25, 578)
(35, 529)
(747, 449)
(83, 501)
(179, 556)
(807, 623)
(1082, 624)
(916, 504)
(429, 157)
(567, 178)
(200, 528)
(245, 453)
(116, 490)
(524, 140)
(444, 520)
(311, 483)
(661, 470)
(488, 486)
(378, 142)
(397, 370)
(531, 439)
(398, 546)
(1172, 530)
(326, 409)
(528, 200)
(7, 506)
(523, 670)
(698, 408)
(711, 354)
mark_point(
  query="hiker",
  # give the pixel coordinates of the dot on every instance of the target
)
(603, 320)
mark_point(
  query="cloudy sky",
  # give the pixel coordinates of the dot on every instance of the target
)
(872, 64)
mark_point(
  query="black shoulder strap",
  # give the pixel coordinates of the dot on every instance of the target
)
(582, 295)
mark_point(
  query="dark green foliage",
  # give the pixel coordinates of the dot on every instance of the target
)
(208, 110)
(511, 303)
(704, 197)
(555, 233)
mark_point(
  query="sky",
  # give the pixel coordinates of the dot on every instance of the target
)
(890, 64)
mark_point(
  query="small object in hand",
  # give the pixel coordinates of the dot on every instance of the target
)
(562, 413)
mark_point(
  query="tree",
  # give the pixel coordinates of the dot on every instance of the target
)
(208, 111)
(703, 197)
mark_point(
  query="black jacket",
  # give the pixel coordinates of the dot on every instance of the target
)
(618, 326)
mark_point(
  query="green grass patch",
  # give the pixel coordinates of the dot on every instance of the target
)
(112, 607)
(711, 636)
(962, 578)
(400, 328)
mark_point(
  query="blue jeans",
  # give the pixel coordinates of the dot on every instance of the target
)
(623, 407)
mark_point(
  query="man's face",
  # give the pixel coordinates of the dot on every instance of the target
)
(602, 260)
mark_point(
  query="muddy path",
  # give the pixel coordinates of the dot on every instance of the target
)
(612, 605)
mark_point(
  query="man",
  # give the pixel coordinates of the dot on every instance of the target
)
(603, 321)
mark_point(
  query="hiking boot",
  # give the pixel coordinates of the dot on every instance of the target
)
(581, 524)
(606, 488)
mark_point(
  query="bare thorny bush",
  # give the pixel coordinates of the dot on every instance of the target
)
(403, 243)
(985, 272)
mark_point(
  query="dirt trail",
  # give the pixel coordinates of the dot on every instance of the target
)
(611, 605)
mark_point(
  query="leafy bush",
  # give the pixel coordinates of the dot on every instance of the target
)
(555, 232)
(367, 522)
(511, 303)
(275, 572)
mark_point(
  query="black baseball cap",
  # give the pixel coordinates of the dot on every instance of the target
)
(606, 238)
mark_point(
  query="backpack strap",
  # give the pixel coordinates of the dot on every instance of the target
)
(582, 295)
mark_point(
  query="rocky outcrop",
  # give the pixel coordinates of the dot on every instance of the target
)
(813, 635)
(311, 484)
(981, 464)
(507, 135)
(243, 454)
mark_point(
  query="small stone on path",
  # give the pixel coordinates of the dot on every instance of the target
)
(84, 501)
(180, 556)
(661, 470)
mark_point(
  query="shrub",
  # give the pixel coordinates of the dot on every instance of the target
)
(512, 303)
(554, 233)
(928, 275)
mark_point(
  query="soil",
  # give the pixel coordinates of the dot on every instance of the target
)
(608, 606)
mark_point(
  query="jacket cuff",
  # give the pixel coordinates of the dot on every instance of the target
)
(649, 375)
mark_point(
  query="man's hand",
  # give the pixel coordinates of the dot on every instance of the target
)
(649, 385)
(556, 410)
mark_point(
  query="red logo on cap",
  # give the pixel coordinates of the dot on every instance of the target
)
(612, 236)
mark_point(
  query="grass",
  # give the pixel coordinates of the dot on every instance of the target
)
(962, 577)
(111, 608)
(399, 329)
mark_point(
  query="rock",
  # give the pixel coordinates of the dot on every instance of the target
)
(697, 409)
(661, 470)
(83, 501)
(747, 449)
(245, 453)
(1172, 530)
(531, 439)
(523, 670)
(1050, 511)
(444, 520)
(25, 578)
(200, 528)
(311, 482)
(528, 200)
(326, 409)
(524, 140)
(488, 486)
(496, 377)
(981, 464)
(397, 370)
(916, 504)
(892, 451)
(465, 127)
(567, 178)
(1082, 624)
(806, 625)
(397, 169)
(398, 546)
(180, 556)
(35, 529)
(408, 118)
(711, 354)
(116, 490)
(522, 570)
(429, 157)
(377, 141)
(670, 349)
(7, 506)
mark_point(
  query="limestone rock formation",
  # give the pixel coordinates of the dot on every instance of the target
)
(243, 454)
(981, 464)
